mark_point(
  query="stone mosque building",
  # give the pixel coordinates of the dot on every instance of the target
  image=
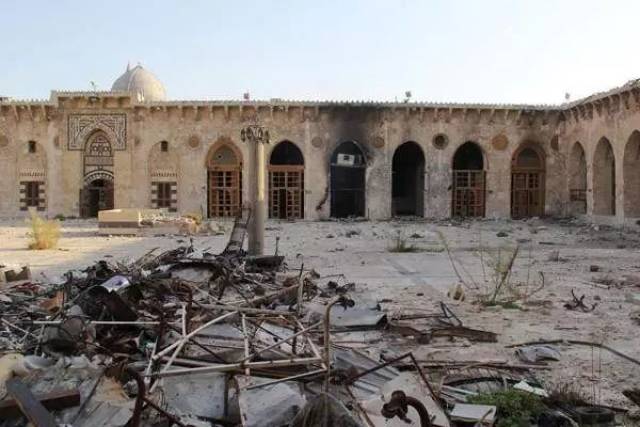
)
(80, 152)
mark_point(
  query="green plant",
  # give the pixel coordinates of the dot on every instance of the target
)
(400, 245)
(44, 234)
(498, 287)
(515, 408)
(568, 393)
(59, 217)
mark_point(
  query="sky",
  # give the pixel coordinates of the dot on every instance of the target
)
(493, 51)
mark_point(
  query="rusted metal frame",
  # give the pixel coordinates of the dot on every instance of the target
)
(359, 375)
(289, 338)
(245, 334)
(398, 405)
(327, 339)
(152, 363)
(172, 418)
(192, 334)
(291, 378)
(236, 366)
(142, 399)
(98, 322)
(314, 348)
(178, 348)
(247, 310)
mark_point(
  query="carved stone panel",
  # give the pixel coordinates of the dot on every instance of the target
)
(82, 125)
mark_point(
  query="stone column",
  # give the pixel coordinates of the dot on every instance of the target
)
(259, 209)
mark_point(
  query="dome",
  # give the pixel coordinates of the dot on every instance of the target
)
(143, 83)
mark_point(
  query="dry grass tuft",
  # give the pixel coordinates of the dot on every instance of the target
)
(44, 233)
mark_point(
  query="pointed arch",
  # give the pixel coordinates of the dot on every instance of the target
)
(528, 166)
(604, 178)
(578, 179)
(407, 180)
(286, 181)
(468, 195)
(348, 168)
(98, 191)
(224, 179)
(631, 172)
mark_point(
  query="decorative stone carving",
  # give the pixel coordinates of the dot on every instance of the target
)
(440, 141)
(555, 145)
(82, 125)
(500, 142)
(194, 141)
(317, 142)
(378, 142)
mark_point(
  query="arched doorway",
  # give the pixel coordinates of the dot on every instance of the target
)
(348, 168)
(407, 182)
(224, 181)
(578, 180)
(527, 181)
(468, 196)
(631, 171)
(604, 179)
(97, 193)
(286, 182)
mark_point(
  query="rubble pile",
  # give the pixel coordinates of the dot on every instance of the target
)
(191, 338)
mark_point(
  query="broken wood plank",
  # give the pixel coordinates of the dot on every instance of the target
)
(53, 401)
(29, 405)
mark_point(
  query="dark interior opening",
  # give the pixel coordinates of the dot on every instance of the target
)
(468, 157)
(408, 180)
(96, 196)
(348, 168)
(286, 153)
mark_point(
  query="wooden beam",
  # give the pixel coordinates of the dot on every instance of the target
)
(53, 401)
(31, 407)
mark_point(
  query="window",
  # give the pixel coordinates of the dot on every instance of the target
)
(32, 147)
(163, 194)
(32, 193)
(164, 146)
(440, 141)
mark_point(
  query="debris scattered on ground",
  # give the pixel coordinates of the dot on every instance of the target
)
(188, 337)
(579, 304)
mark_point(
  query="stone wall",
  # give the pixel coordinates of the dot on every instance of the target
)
(192, 129)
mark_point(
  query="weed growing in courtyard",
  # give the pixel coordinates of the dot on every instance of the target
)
(44, 233)
(400, 245)
(515, 408)
(498, 287)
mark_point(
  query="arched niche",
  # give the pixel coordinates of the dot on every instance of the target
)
(286, 181)
(578, 179)
(407, 180)
(604, 179)
(528, 181)
(468, 189)
(224, 179)
(348, 168)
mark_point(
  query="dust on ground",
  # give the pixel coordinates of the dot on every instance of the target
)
(415, 282)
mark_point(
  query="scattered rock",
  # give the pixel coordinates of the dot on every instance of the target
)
(502, 234)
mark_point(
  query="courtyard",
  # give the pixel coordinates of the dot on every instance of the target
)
(406, 267)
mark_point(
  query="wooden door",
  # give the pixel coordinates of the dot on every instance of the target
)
(468, 193)
(527, 194)
(286, 192)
